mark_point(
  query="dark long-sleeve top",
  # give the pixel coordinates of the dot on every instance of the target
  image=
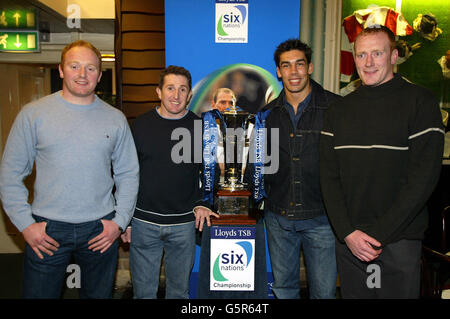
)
(170, 159)
(380, 159)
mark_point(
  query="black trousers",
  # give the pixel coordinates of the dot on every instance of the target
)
(395, 274)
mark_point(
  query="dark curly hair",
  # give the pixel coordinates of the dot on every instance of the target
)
(289, 45)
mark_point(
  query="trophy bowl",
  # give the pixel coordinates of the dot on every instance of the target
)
(232, 200)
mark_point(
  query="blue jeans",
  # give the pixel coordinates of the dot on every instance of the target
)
(148, 242)
(319, 250)
(44, 278)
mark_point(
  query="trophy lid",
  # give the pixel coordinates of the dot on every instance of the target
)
(234, 110)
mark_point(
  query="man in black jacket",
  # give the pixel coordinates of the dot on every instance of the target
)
(381, 153)
(294, 211)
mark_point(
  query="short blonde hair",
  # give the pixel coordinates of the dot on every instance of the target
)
(378, 29)
(82, 43)
(225, 90)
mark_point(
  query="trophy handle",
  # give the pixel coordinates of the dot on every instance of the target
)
(246, 147)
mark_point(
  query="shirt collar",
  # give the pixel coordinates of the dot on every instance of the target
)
(301, 105)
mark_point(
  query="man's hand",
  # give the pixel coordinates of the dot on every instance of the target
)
(106, 238)
(38, 239)
(360, 244)
(201, 214)
(126, 236)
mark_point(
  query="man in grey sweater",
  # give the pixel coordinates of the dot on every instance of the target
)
(82, 148)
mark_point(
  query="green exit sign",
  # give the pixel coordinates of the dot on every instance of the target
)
(18, 19)
(19, 41)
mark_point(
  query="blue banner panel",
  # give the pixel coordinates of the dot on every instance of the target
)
(229, 43)
(244, 60)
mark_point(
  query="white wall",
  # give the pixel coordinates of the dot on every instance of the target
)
(90, 9)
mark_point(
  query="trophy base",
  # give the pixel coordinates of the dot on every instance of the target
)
(234, 208)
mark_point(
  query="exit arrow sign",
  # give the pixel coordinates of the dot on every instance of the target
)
(17, 19)
(19, 41)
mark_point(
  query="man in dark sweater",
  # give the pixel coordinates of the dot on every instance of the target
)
(381, 149)
(169, 205)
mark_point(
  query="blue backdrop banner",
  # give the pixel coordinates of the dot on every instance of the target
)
(229, 43)
(247, 67)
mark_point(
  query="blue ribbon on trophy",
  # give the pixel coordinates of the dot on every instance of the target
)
(259, 142)
(210, 140)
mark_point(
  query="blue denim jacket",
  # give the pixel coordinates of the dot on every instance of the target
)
(294, 190)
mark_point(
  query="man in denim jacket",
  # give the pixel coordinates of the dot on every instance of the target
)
(294, 212)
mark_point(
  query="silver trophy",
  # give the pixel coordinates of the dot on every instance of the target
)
(233, 196)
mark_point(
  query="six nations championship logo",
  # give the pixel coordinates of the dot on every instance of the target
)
(232, 264)
(232, 21)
